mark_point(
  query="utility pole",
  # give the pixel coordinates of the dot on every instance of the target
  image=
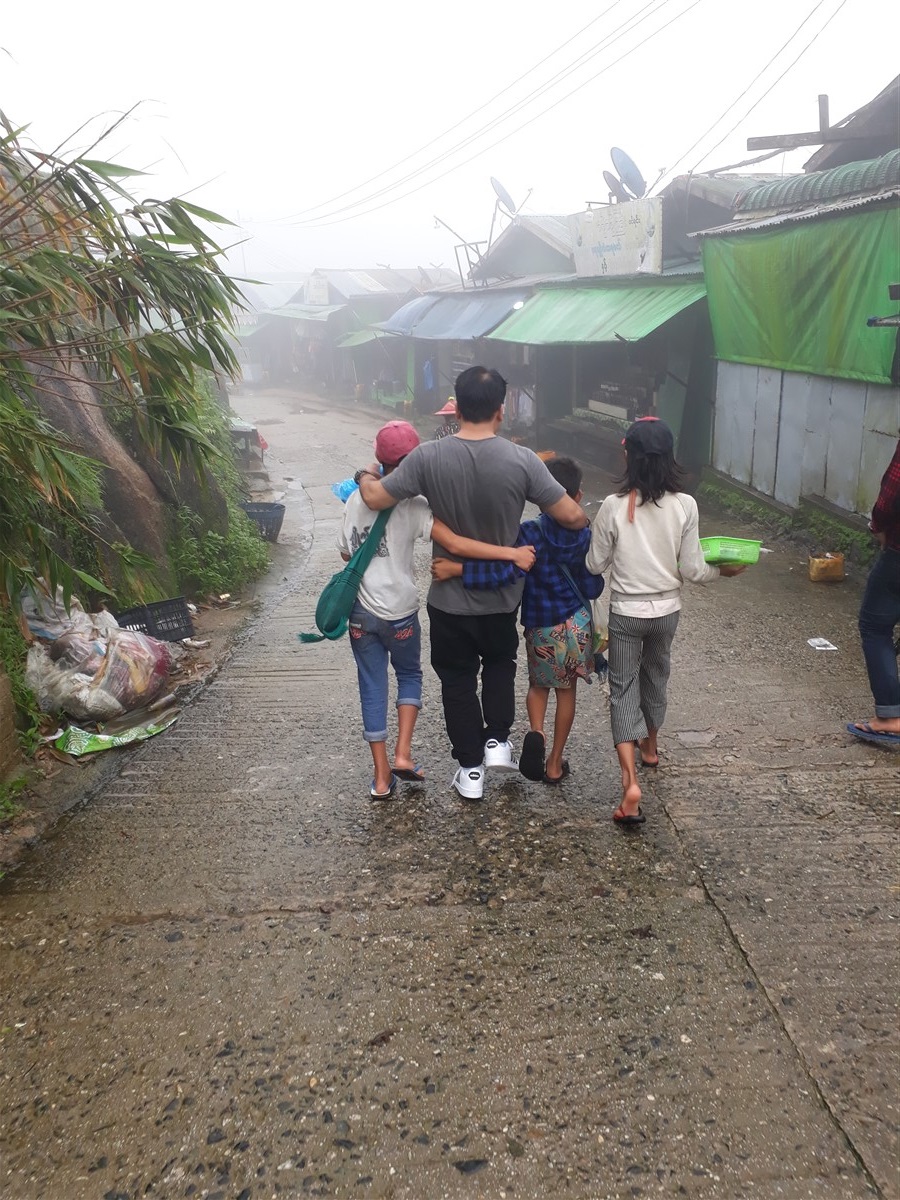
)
(819, 137)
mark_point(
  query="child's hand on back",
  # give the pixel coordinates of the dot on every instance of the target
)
(444, 568)
(524, 557)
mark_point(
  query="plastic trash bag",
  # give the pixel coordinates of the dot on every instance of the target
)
(48, 618)
(130, 674)
(77, 652)
(134, 668)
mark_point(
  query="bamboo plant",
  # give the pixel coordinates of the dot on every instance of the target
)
(95, 284)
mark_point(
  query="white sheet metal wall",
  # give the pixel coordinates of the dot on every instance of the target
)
(790, 435)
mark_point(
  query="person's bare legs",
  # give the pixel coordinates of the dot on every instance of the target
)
(536, 706)
(649, 750)
(383, 772)
(562, 727)
(407, 714)
(631, 789)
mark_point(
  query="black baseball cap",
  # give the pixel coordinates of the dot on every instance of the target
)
(649, 435)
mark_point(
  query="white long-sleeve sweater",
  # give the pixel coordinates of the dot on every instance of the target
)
(647, 560)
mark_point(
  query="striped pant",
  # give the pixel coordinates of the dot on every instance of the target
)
(639, 660)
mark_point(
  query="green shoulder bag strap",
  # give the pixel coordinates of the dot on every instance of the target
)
(586, 604)
(339, 594)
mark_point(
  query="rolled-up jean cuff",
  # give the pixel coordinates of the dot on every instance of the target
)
(415, 702)
(887, 712)
(375, 737)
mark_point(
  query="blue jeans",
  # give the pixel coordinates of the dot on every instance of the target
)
(375, 642)
(878, 615)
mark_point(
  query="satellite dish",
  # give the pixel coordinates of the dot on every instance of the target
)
(504, 197)
(615, 186)
(628, 172)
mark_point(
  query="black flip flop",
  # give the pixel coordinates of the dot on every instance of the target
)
(637, 818)
(556, 780)
(414, 774)
(531, 760)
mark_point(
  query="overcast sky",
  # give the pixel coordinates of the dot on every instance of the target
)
(269, 110)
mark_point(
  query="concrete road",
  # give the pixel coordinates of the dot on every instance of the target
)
(230, 975)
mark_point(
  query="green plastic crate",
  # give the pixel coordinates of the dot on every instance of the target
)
(720, 550)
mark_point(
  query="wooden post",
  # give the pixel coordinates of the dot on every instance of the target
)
(823, 114)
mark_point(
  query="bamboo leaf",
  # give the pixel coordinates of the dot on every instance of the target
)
(108, 170)
(203, 213)
(91, 582)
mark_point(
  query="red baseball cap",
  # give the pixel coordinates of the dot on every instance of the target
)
(394, 441)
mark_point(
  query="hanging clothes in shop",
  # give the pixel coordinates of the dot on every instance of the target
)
(519, 406)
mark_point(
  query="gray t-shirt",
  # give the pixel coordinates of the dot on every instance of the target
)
(479, 489)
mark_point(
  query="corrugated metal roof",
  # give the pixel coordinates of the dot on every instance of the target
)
(383, 281)
(686, 270)
(822, 187)
(807, 214)
(359, 337)
(717, 189)
(243, 332)
(269, 294)
(578, 316)
(519, 284)
(510, 255)
(305, 312)
(405, 319)
(554, 229)
(470, 315)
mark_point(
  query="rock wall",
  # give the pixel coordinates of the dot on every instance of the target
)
(138, 493)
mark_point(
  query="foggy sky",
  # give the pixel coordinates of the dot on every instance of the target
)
(267, 109)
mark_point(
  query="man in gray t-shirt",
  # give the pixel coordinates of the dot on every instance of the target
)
(478, 484)
(479, 489)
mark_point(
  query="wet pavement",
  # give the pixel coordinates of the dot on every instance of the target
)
(232, 976)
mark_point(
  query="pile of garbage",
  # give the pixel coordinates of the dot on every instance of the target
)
(85, 666)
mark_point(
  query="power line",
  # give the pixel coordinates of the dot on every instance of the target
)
(461, 121)
(484, 129)
(518, 129)
(612, 37)
(788, 68)
(750, 85)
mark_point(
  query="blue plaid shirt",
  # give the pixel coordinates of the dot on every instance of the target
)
(549, 598)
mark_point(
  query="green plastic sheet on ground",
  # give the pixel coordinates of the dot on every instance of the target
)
(797, 297)
(77, 741)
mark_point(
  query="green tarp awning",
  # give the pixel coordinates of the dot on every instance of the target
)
(359, 337)
(797, 297)
(304, 312)
(577, 315)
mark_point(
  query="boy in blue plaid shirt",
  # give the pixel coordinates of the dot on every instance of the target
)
(557, 622)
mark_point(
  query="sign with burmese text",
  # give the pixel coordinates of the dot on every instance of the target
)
(620, 239)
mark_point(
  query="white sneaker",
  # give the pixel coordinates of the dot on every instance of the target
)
(469, 782)
(498, 756)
